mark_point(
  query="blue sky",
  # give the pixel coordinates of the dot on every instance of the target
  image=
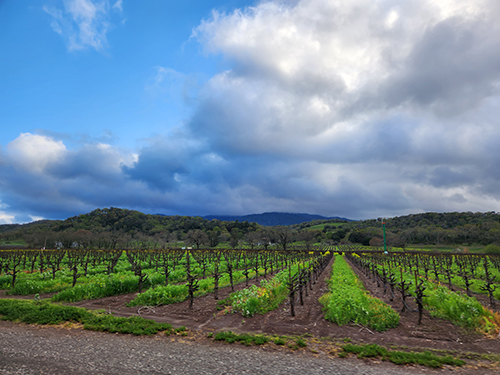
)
(355, 108)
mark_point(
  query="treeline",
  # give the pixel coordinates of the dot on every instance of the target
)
(444, 220)
(455, 228)
(131, 222)
(113, 228)
(279, 237)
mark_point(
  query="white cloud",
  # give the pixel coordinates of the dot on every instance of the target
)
(6, 218)
(118, 6)
(33, 153)
(83, 23)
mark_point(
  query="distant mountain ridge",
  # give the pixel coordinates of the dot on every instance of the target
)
(271, 219)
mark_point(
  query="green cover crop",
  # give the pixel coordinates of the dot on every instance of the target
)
(348, 301)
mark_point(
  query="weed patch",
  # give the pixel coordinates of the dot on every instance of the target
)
(244, 338)
(400, 358)
(348, 301)
(48, 313)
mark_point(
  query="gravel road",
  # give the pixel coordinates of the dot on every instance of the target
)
(28, 350)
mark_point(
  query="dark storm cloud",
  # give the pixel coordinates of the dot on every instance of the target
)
(158, 169)
(446, 177)
(451, 69)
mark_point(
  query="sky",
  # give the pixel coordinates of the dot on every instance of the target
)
(352, 108)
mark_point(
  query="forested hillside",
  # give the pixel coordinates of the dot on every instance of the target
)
(465, 228)
(114, 227)
(272, 219)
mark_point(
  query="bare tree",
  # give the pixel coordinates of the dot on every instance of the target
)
(235, 238)
(283, 236)
(252, 239)
(309, 237)
(196, 237)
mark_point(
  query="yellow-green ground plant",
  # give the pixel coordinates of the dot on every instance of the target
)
(266, 297)
(348, 301)
(456, 307)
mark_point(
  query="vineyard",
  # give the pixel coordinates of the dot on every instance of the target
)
(169, 276)
(328, 291)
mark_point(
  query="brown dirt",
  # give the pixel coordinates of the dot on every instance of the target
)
(204, 317)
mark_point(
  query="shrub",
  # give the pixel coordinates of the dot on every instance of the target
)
(491, 249)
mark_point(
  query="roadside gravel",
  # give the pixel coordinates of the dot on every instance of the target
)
(27, 350)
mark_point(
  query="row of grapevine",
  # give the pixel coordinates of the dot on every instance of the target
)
(409, 275)
(192, 266)
(293, 281)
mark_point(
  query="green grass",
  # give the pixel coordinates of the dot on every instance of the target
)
(174, 293)
(36, 312)
(267, 297)
(279, 341)
(401, 358)
(322, 226)
(99, 287)
(18, 242)
(244, 338)
(348, 301)
(446, 248)
(456, 307)
(459, 308)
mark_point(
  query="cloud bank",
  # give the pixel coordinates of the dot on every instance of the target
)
(355, 108)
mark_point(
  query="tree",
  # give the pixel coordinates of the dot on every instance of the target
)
(214, 237)
(84, 238)
(196, 237)
(309, 237)
(361, 237)
(283, 236)
(491, 249)
(235, 238)
(376, 242)
(264, 236)
(338, 235)
(252, 239)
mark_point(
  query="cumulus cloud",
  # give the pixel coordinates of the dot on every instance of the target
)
(400, 93)
(33, 153)
(355, 108)
(83, 23)
(42, 178)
